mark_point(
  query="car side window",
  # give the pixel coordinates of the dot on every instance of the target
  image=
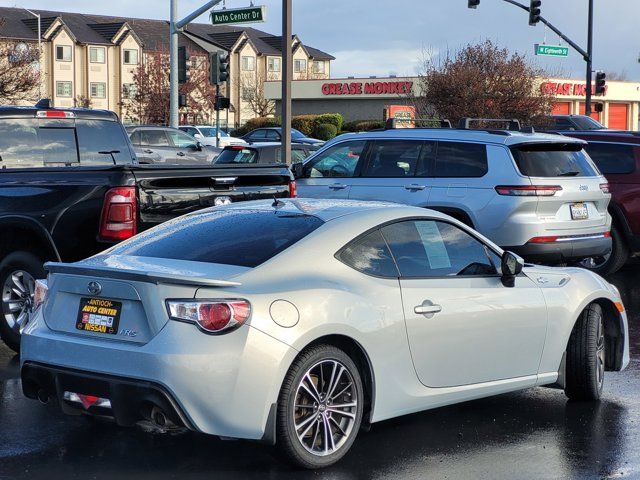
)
(369, 254)
(272, 135)
(612, 158)
(258, 135)
(190, 130)
(431, 249)
(153, 138)
(181, 139)
(135, 137)
(458, 159)
(339, 161)
(393, 158)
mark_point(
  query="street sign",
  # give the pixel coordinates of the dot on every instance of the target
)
(239, 15)
(552, 50)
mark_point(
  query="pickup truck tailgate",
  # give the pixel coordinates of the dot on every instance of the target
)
(165, 192)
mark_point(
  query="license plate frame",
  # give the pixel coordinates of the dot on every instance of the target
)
(98, 315)
(579, 211)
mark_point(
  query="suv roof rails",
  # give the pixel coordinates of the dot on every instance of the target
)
(513, 124)
(392, 123)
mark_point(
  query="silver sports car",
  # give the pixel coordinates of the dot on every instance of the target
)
(297, 322)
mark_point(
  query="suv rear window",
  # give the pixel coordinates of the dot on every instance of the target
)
(456, 159)
(553, 160)
(612, 158)
(237, 155)
(33, 142)
(246, 238)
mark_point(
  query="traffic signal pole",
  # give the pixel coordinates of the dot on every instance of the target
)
(287, 75)
(175, 26)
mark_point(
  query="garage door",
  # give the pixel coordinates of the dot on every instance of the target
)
(594, 115)
(561, 108)
(619, 116)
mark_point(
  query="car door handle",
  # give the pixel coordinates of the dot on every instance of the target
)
(427, 308)
(180, 154)
(415, 186)
(337, 186)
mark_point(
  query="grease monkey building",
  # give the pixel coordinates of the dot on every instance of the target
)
(366, 98)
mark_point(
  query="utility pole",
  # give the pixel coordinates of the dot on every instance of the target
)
(175, 27)
(589, 59)
(287, 75)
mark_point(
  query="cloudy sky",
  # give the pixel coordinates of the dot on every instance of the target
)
(379, 37)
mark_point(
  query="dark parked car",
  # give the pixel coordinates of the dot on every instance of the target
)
(154, 144)
(571, 122)
(617, 155)
(263, 153)
(71, 187)
(273, 134)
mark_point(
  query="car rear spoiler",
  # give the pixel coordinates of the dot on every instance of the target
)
(137, 275)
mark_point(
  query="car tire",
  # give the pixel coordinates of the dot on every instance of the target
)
(311, 430)
(615, 261)
(18, 271)
(586, 356)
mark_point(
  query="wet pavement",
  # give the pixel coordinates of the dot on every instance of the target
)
(532, 434)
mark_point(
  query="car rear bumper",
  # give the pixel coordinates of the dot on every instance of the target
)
(221, 385)
(564, 249)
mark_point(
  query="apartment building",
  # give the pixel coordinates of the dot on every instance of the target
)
(92, 59)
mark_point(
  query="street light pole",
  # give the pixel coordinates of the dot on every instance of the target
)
(287, 74)
(589, 59)
(37, 15)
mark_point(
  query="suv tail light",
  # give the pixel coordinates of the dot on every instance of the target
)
(211, 316)
(528, 190)
(119, 219)
(605, 188)
(293, 189)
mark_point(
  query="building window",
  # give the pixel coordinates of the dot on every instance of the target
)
(247, 93)
(96, 54)
(63, 89)
(274, 64)
(63, 53)
(318, 66)
(131, 57)
(248, 64)
(129, 90)
(300, 66)
(98, 90)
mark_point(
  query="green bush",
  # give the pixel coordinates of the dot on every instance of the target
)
(334, 119)
(362, 125)
(325, 131)
(304, 123)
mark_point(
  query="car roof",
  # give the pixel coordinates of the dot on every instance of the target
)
(620, 136)
(149, 127)
(261, 145)
(502, 137)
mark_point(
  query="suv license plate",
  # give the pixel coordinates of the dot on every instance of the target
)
(579, 211)
(98, 315)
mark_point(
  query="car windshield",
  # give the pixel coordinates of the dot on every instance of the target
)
(237, 155)
(246, 238)
(587, 123)
(297, 133)
(554, 160)
(211, 132)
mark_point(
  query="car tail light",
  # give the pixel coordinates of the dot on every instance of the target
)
(293, 189)
(605, 188)
(549, 239)
(40, 293)
(528, 190)
(607, 234)
(212, 316)
(119, 219)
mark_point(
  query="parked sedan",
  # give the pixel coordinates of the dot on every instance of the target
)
(206, 135)
(295, 322)
(165, 145)
(263, 153)
(273, 134)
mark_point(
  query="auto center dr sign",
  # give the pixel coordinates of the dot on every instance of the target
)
(368, 88)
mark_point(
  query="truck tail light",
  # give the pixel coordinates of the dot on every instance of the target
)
(293, 190)
(119, 218)
(605, 188)
(528, 190)
(54, 114)
(211, 316)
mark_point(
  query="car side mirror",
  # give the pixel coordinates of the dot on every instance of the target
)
(198, 146)
(511, 267)
(298, 170)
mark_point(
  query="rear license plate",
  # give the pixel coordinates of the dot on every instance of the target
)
(579, 211)
(98, 315)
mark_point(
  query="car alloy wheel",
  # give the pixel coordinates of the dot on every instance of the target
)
(17, 297)
(600, 355)
(326, 405)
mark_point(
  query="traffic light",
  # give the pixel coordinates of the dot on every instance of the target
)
(473, 3)
(601, 83)
(182, 100)
(218, 68)
(183, 65)
(222, 103)
(223, 59)
(598, 107)
(535, 12)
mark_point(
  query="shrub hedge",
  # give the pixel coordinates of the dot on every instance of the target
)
(325, 131)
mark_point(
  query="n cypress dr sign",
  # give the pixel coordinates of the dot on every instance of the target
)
(239, 15)
(367, 88)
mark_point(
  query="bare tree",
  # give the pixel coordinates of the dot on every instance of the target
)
(83, 101)
(252, 92)
(482, 81)
(621, 76)
(19, 75)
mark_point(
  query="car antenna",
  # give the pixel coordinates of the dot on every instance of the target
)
(277, 203)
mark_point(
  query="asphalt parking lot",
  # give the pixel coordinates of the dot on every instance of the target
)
(531, 434)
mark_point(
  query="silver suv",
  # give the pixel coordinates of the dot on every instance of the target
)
(538, 195)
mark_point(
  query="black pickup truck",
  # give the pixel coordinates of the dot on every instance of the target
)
(70, 186)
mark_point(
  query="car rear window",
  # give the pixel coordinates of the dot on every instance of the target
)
(553, 160)
(612, 158)
(457, 159)
(246, 238)
(33, 142)
(236, 155)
